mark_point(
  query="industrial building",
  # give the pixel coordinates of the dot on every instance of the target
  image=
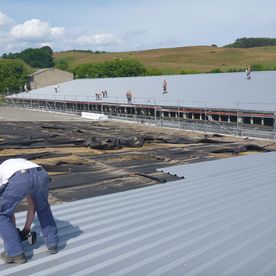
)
(48, 76)
(218, 220)
(229, 100)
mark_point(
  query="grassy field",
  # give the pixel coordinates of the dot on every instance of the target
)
(194, 59)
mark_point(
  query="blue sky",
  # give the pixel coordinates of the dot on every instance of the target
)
(126, 25)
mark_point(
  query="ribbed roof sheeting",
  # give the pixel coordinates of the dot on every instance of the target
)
(223, 91)
(225, 167)
(222, 225)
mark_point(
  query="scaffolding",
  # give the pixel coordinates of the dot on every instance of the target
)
(237, 122)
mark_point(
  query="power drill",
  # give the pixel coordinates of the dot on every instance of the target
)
(27, 235)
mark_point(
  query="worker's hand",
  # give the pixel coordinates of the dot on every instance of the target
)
(27, 235)
(24, 234)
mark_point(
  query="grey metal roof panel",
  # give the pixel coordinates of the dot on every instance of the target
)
(213, 168)
(205, 226)
(225, 90)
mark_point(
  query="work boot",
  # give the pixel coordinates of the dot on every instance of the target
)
(20, 259)
(53, 249)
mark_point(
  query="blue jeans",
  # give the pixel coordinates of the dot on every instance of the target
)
(34, 181)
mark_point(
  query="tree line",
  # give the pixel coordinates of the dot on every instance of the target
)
(251, 42)
(36, 58)
(110, 69)
(13, 75)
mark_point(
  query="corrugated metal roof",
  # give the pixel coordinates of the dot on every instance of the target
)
(226, 90)
(213, 168)
(39, 71)
(219, 225)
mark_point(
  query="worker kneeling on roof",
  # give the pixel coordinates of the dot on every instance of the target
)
(20, 178)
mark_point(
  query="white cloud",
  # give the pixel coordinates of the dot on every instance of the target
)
(5, 20)
(97, 39)
(33, 33)
(57, 31)
(35, 29)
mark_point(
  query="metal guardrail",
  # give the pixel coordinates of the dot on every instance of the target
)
(205, 126)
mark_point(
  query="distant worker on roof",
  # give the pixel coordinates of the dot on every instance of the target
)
(104, 93)
(165, 84)
(248, 72)
(26, 87)
(98, 96)
(129, 96)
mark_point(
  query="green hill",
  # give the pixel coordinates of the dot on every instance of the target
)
(196, 59)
